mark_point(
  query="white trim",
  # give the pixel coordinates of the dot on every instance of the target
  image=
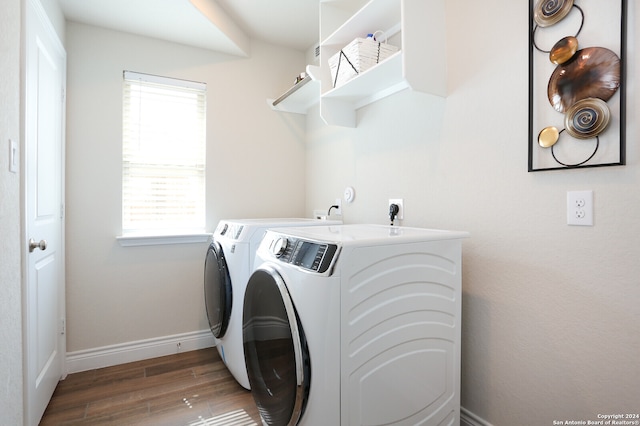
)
(467, 418)
(155, 240)
(107, 356)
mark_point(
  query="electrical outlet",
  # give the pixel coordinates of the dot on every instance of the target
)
(399, 202)
(580, 208)
(338, 210)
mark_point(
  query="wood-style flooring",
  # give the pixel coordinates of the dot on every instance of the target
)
(191, 389)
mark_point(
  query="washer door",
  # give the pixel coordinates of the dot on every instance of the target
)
(275, 349)
(217, 290)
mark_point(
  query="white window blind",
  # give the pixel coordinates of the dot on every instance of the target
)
(163, 155)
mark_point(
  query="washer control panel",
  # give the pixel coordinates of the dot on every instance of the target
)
(309, 255)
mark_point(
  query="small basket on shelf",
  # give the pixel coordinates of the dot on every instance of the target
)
(357, 57)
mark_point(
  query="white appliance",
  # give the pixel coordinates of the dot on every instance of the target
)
(228, 265)
(355, 325)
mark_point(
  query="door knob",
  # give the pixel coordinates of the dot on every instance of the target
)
(42, 245)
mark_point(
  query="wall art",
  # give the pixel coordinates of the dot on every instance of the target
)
(576, 83)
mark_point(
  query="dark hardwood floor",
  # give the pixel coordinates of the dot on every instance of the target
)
(191, 388)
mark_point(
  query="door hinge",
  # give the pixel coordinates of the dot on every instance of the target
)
(63, 326)
(61, 211)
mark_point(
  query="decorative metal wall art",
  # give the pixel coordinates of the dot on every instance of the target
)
(576, 83)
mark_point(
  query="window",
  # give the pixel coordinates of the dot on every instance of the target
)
(163, 155)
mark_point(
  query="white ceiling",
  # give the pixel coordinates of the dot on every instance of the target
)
(221, 25)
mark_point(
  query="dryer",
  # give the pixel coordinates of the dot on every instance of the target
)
(355, 325)
(228, 265)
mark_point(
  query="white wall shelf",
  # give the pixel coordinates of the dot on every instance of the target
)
(416, 26)
(300, 97)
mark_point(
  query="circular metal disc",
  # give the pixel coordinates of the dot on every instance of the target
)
(548, 136)
(549, 12)
(594, 72)
(587, 118)
(563, 50)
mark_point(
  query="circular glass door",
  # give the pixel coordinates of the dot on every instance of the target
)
(275, 350)
(217, 290)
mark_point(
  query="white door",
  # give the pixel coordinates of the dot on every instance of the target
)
(45, 349)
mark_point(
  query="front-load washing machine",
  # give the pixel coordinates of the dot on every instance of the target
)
(355, 325)
(228, 265)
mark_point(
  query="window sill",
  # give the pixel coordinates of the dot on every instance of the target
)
(156, 240)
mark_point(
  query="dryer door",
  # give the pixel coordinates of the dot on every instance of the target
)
(217, 290)
(275, 349)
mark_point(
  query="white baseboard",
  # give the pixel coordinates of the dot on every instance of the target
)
(467, 418)
(107, 356)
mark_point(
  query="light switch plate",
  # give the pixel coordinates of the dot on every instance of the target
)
(13, 156)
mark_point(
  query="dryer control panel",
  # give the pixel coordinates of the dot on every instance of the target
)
(309, 255)
(231, 230)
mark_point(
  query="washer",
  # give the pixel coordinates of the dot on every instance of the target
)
(228, 265)
(355, 325)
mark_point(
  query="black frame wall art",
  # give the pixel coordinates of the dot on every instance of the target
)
(577, 71)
